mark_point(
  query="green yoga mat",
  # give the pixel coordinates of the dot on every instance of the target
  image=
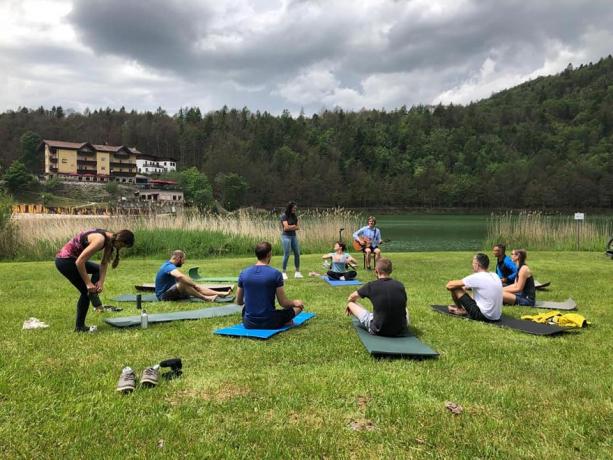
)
(409, 346)
(153, 298)
(211, 312)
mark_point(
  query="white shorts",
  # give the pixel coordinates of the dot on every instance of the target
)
(365, 319)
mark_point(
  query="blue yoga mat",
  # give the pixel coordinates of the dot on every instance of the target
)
(239, 330)
(353, 282)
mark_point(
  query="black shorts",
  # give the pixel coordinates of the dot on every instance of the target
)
(471, 308)
(279, 319)
(174, 294)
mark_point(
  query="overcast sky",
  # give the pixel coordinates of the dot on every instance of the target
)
(287, 54)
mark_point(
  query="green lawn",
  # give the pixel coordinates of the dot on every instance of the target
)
(299, 394)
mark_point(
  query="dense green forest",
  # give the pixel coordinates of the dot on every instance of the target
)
(547, 143)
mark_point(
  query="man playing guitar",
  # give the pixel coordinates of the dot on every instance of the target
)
(367, 239)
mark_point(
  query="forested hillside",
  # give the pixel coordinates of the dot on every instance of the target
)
(547, 143)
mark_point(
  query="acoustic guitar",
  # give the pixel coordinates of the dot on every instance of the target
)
(364, 243)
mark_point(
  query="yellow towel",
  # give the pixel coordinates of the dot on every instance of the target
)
(571, 320)
(542, 317)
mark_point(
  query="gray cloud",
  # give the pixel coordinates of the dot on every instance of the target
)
(271, 55)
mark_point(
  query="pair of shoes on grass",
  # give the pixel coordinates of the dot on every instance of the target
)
(296, 275)
(127, 380)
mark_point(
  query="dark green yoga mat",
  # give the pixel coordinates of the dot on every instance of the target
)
(409, 346)
(522, 325)
(193, 274)
(211, 312)
(153, 298)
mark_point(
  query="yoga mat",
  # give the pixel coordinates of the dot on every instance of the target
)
(353, 282)
(153, 298)
(239, 330)
(568, 304)
(193, 274)
(522, 325)
(539, 285)
(215, 287)
(408, 345)
(211, 312)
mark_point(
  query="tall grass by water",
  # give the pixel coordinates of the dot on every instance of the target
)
(38, 237)
(538, 231)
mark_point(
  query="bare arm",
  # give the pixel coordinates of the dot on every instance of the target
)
(455, 284)
(285, 302)
(353, 296)
(96, 242)
(351, 261)
(288, 228)
(239, 296)
(327, 256)
(520, 281)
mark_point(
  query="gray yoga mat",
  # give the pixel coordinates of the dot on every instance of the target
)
(407, 346)
(539, 285)
(214, 286)
(211, 312)
(522, 325)
(153, 298)
(568, 304)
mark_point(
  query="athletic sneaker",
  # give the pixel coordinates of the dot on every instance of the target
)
(127, 380)
(284, 276)
(86, 329)
(150, 376)
(298, 275)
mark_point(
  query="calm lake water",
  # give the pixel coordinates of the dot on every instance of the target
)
(433, 232)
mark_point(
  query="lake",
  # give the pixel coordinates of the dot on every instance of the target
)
(433, 232)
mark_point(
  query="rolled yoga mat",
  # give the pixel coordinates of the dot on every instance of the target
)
(522, 325)
(405, 346)
(193, 274)
(239, 330)
(211, 312)
(153, 298)
(215, 287)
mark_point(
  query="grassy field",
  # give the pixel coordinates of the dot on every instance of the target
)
(313, 392)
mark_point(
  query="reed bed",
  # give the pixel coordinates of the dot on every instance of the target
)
(537, 231)
(38, 237)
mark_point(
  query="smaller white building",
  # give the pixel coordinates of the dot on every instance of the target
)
(149, 164)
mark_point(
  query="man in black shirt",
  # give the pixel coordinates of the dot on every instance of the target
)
(389, 299)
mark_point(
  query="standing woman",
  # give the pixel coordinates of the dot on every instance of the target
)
(522, 291)
(289, 240)
(73, 262)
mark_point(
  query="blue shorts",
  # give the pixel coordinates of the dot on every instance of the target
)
(522, 300)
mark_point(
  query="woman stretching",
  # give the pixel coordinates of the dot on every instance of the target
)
(73, 262)
(289, 240)
(522, 291)
(340, 260)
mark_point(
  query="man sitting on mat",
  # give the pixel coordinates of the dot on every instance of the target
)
(505, 268)
(389, 299)
(171, 284)
(487, 292)
(258, 286)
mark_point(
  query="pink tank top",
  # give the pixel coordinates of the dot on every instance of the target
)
(74, 248)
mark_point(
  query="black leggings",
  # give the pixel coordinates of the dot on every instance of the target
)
(68, 268)
(337, 276)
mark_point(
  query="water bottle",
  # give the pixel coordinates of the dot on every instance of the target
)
(144, 320)
(139, 301)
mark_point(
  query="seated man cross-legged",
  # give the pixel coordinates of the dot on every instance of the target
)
(389, 299)
(171, 284)
(487, 291)
(258, 285)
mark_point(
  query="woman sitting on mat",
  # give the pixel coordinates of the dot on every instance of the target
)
(522, 291)
(340, 260)
(73, 262)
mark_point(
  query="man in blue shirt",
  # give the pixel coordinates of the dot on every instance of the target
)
(367, 239)
(171, 284)
(505, 268)
(258, 286)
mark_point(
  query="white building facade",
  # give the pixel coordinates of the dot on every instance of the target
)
(149, 164)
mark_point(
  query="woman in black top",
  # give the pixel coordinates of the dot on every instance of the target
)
(289, 240)
(522, 291)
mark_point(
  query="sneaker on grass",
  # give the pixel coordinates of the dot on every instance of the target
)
(150, 376)
(298, 275)
(86, 329)
(284, 276)
(127, 380)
